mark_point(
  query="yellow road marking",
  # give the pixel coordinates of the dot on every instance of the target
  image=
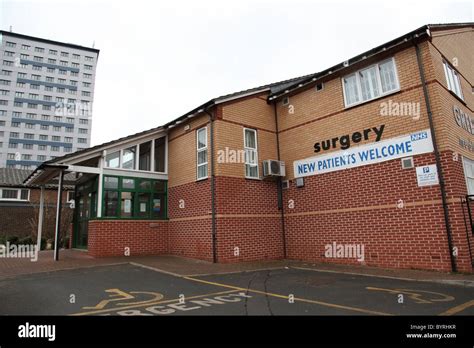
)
(332, 305)
(149, 304)
(122, 295)
(416, 296)
(157, 295)
(459, 308)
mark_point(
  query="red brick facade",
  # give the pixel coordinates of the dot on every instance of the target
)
(118, 237)
(380, 206)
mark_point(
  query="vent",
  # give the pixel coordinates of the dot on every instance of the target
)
(285, 101)
(285, 184)
(319, 87)
(407, 163)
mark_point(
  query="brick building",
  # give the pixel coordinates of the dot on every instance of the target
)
(377, 154)
(19, 205)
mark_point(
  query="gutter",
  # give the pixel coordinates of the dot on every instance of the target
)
(280, 185)
(213, 189)
(437, 157)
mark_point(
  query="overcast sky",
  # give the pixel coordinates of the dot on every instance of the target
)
(160, 59)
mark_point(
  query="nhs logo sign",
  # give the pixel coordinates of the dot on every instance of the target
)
(419, 136)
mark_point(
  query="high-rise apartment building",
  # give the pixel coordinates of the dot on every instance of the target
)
(46, 98)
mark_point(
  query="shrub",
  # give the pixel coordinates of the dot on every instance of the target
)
(26, 241)
(12, 239)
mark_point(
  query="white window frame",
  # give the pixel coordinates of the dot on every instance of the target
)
(256, 155)
(465, 162)
(452, 80)
(198, 151)
(18, 194)
(379, 83)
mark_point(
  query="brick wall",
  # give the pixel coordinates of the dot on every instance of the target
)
(21, 218)
(142, 237)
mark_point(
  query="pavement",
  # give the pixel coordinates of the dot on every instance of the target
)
(168, 285)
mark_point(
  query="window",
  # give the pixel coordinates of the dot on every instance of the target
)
(87, 67)
(5, 82)
(28, 136)
(10, 44)
(64, 54)
(42, 147)
(128, 157)
(75, 65)
(76, 56)
(83, 121)
(3, 112)
(112, 160)
(87, 76)
(56, 138)
(86, 84)
(62, 72)
(50, 70)
(7, 73)
(28, 146)
(43, 137)
(15, 124)
(34, 86)
(25, 47)
(14, 194)
(68, 139)
(453, 81)
(201, 148)
(370, 83)
(63, 62)
(251, 154)
(16, 114)
(134, 198)
(69, 119)
(469, 175)
(26, 157)
(53, 52)
(13, 145)
(69, 129)
(144, 162)
(82, 131)
(8, 54)
(89, 59)
(8, 63)
(21, 75)
(14, 135)
(39, 49)
(160, 154)
(55, 148)
(37, 67)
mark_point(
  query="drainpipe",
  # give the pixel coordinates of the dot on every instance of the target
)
(280, 185)
(438, 159)
(213, 189)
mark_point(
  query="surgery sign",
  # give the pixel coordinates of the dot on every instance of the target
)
(386, 150)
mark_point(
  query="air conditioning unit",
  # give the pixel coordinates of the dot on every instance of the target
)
(273, 168)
